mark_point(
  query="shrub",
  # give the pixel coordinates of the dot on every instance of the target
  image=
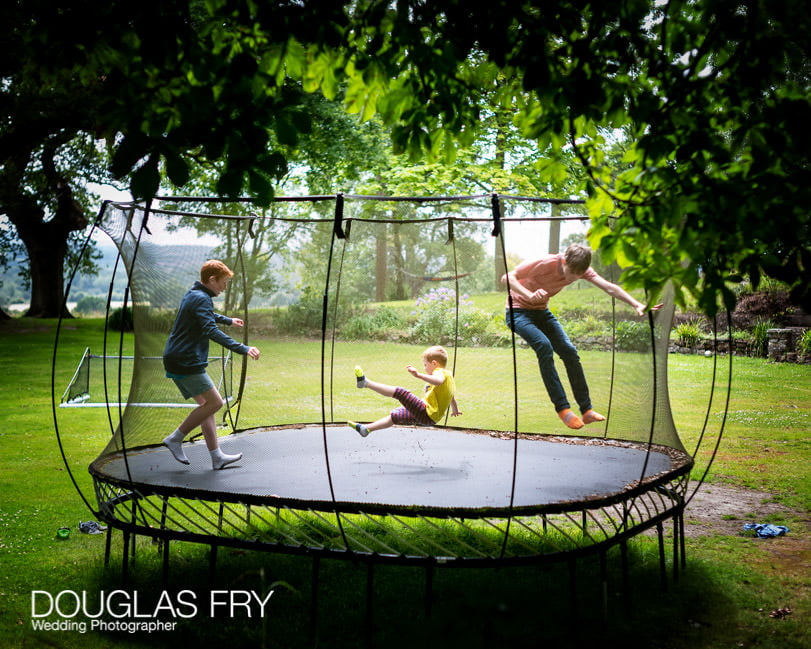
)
(587, 326)
(688, 334)
(760, 336)
(804, 343)
(91, 304)
(478, 328)
(436, 321)
(632, 336)
(121, 319)
(436, 316)
(380, 323)
(305, 316)
(752, 308)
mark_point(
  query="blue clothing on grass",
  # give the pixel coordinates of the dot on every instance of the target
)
(186, 350)
(766, 530)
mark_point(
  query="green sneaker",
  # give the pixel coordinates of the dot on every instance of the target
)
(359, 377)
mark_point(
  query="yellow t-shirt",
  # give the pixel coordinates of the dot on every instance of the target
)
(438, 398)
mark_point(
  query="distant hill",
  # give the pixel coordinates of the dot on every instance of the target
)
(181, 262)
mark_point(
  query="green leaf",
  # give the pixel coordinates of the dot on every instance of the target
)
(230, 184)
(146, 179)
(176, 168)
(260, 188)
(131, 149)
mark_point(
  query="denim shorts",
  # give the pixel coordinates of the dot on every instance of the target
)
(193, 384)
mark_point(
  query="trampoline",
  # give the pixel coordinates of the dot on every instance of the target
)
(510, 486)
(445, 471)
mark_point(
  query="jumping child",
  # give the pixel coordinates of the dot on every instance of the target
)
(531, 285)
(186, 356)
(439, 396)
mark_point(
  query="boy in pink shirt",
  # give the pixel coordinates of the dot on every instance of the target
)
(531, 285)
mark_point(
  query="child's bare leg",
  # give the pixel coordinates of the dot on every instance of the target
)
(209, 428)
(203, 415)
(365, 429)
(208, 404)
(380, 424)
(381, 388)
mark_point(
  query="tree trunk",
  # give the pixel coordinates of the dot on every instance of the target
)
(46, 256)
(554, 230)
(399, 266)
(47, 244)
(380, 264)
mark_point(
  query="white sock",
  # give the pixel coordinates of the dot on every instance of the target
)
(220, 460)
(174, 443)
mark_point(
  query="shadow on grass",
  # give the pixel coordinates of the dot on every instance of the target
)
(469, 607)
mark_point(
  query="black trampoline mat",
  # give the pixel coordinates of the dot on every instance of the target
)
(400, 466)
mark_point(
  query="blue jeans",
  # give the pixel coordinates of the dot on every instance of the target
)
(541, 329)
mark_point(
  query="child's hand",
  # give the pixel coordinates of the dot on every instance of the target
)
(413, 371)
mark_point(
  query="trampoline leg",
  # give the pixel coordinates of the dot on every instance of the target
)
(604, 585)
(212, 564)
(573, 612)
(662, 563)
(675, 548)
(164, 509)
(125, 559)
(626, 586)
(107, 544)
(165, 550)
(429, 590)
(314, 600)
(370, 576)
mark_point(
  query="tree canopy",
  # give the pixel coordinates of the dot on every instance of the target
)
(710, 98)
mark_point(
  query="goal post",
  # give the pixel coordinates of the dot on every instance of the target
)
(87, 386)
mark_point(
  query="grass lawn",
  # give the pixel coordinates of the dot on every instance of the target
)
(733, 580)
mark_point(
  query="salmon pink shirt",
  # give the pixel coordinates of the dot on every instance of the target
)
(545, 273)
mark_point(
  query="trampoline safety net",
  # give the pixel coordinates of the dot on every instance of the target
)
(327, 283)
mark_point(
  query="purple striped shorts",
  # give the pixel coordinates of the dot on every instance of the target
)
(412, 410)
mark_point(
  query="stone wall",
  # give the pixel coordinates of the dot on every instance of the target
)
(782, 345)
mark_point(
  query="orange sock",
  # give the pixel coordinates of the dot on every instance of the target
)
(589, 417)
(570, 419)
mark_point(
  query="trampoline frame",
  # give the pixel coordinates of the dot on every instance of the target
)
(591, 527)
(166, 513)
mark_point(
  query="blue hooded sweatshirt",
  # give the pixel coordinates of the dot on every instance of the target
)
(186, 350)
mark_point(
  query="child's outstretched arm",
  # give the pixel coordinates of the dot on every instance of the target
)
(428, 378)
(455, 412)
(614, 290)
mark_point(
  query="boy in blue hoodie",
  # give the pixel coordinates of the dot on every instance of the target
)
(186, 356)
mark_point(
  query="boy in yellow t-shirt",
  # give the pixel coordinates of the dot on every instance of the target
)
(439, 396)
